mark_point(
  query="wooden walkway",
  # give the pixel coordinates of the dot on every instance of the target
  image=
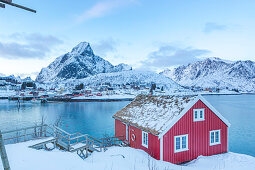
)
(83, 145)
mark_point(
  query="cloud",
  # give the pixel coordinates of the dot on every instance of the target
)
(105, 46)
(210, 27)
(102, 8)
(167, 56)
(28, 46)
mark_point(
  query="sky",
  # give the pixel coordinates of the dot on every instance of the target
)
(146, 34)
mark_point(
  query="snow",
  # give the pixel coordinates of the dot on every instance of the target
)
(132, 76)
(81, 62)
(78, 145)
(81, 47)
(153, 113)
(115, 158)
(107, 97)
(4, 93)
(215, 73)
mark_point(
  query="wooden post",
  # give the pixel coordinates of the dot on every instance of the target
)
(3, 154)
(69, 143)
(87, 146)
(45, 131)
(25, 135)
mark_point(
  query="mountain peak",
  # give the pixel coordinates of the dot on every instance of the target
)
(215, 73)
(80, 63)
(219, 59)
(81, 48)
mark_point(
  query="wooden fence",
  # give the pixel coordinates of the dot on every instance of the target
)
(28, 133)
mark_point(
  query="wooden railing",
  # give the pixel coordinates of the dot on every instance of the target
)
(25, 134)
(111, 141)
(65, 140)
(71, 140)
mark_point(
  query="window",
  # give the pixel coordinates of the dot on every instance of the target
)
(145, 139)
(214, 137)
(127, 132)
(180, 143)
(198, 114)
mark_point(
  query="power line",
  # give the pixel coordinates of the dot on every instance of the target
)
(9, 2)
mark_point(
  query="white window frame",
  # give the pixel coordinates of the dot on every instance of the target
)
(210, 137)
(181, 149)
(146, 136)
(198, 115)
(127, 132)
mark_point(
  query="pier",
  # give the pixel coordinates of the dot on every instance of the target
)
(82, 144)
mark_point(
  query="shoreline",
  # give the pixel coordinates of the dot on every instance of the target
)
(57, 99)
(69, 99)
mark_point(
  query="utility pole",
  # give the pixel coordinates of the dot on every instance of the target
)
(4, 154)
(9, 2)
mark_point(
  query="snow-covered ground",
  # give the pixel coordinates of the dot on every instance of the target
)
(115, 158)
(4, 93)
(107, 97)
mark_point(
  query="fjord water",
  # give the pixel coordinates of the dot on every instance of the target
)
(95, 118)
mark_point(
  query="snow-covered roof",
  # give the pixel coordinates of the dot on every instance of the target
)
(153, 113)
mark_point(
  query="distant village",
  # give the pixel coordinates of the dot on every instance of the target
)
(12, 87)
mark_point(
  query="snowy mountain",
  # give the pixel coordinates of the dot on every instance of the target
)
(27, 79)
(80, 63)
(132, 76)
(215, 73)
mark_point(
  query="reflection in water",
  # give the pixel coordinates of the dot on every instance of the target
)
(94, 118)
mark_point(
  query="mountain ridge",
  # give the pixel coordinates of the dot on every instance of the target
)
(215, 73)
(80, 63)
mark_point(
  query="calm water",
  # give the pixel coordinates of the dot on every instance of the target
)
(95, 118)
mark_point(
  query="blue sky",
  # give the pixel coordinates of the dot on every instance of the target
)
(146, 34)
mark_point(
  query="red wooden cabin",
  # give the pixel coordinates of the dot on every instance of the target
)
(175, 129)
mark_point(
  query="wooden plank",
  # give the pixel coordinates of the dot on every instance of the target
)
(18, 6)
(4, 157)
(43, 143)
(61, 130)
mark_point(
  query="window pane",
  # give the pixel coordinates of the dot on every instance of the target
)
(195, 114)
(177, 142)
(217, 136)
(212, 137)
(184, 142)
(143, 138)
(201, 114)
(146, 139)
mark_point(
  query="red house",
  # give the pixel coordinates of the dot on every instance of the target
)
(175, 129)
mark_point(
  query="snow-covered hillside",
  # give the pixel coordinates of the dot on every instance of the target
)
(215, 73)
(132, 76)
(81, 62)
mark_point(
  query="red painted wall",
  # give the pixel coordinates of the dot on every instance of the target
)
(153, 141)
(198, 136)
(120, 128)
